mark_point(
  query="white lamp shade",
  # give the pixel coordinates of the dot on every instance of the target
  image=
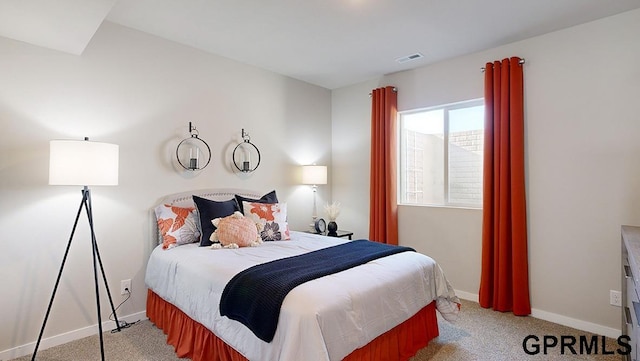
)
(81, 162)
(314, 174)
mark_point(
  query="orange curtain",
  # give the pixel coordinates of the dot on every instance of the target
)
(383, 207)
(504, 283)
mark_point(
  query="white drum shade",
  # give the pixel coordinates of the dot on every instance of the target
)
(82, 162)
(314, 174)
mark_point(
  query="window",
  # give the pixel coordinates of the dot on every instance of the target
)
(441, 154)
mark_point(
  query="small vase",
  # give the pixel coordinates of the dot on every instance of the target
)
(332, 227)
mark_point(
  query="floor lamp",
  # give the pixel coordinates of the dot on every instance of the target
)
(83, 163)
(314, 175)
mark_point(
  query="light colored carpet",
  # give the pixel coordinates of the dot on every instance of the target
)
(479, 334)
(482, 334)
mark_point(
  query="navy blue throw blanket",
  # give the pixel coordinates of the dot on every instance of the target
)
(254, 296)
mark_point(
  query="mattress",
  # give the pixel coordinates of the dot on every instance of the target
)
(324, 319)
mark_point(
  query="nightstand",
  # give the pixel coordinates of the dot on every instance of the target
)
(340, 234)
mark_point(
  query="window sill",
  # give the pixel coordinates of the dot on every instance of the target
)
(473, 208)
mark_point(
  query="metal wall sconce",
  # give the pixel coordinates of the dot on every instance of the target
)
(246, 156)
(193, 153)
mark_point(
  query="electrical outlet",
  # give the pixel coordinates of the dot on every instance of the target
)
(124, 286)
(615, 298)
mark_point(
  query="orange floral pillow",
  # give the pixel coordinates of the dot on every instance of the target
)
(272, 216)
(235, 231)
(177, 225)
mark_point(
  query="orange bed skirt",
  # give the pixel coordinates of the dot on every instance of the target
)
(191, 339)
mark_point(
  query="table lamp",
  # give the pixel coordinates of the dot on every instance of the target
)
(314, 175)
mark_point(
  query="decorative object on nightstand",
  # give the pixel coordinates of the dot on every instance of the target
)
(84, 163)
(333, 211)
(246, 156)
(192, 151)
(314, 175)
(320, 225)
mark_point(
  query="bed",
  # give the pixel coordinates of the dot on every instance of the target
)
(381, 310)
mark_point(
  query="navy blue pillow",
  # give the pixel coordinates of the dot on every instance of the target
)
(267, 198)
(210, 210)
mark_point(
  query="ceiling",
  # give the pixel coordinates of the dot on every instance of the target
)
(330, 43)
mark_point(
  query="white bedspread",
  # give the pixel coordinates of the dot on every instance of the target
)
(324, 319)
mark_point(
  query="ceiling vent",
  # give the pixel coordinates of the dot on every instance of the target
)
(411, 57)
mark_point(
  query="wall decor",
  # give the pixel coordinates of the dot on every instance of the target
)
(193, 153)
(246, 156)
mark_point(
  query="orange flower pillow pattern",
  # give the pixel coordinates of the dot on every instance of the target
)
(272, 217)
(235, 231)
(177, 225)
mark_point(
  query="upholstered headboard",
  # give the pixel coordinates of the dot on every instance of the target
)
(185, 199)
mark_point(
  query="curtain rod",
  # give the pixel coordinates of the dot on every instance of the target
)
(520, 62)
(395, 90)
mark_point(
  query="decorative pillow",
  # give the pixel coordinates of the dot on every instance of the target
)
(177, 225)
(210, 210)
(272, 216)
(235, 231)
(267, 198)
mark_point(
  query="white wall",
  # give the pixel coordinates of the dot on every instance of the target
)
(582, 87)
(351, 122)
(140, 92)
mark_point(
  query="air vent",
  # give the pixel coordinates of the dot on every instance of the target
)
(411, 57)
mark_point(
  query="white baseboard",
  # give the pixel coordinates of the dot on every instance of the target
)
(63, 338)
(467, 296)
(92, 330)
(559, 319)
(575, 323)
